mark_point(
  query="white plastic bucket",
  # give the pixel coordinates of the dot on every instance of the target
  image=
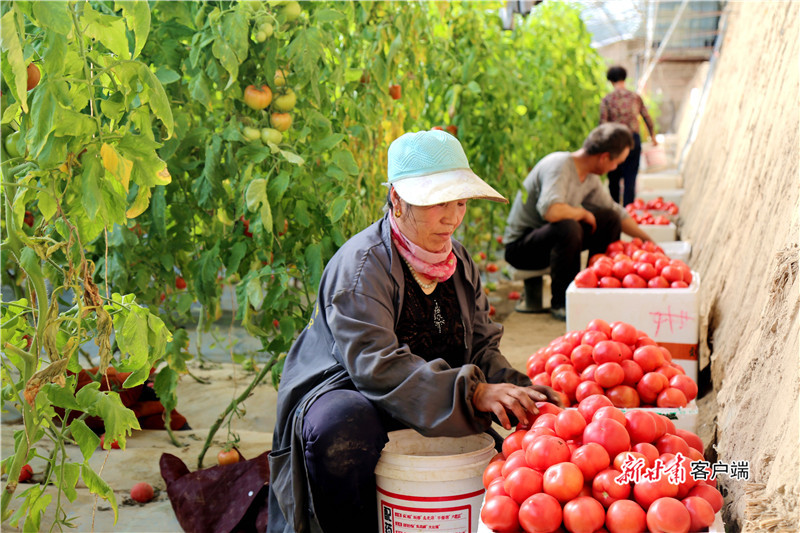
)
(431, 483)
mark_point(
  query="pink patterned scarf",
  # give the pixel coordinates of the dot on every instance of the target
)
(437, 266)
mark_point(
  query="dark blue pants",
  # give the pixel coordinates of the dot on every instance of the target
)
(559, 245)
(626, 171)
(344, 434)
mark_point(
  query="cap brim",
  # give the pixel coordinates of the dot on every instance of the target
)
(442, 187)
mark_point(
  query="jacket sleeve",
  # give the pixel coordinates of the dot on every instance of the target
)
(430, 397)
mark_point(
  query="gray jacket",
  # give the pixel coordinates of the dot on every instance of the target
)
(350, 341)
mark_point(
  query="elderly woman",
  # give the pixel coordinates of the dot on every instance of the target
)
(400, 337)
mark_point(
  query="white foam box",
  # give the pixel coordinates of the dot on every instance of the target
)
(673, 195)
(658, 181)
(658, 232)
(671, 317)
(677, 249)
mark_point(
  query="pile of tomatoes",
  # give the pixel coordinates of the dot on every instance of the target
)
(572, 471)
(634, 265)
(641, 210)
(614, 360)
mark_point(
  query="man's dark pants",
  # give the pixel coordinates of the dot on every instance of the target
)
(559, 245)
(627, 172)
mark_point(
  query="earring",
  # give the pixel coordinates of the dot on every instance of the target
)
(397, 214)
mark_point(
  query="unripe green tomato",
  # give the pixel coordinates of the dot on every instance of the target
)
(291, 11)
(266, 27)
(285, 102)
(11, 145)
(251, 134)
(260, 36)
(270, 135)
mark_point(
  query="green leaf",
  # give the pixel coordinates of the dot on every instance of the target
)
(328, 142)
(54, 53)
(205, 274)
(328, 15)
(166, 386)
(238, 251)
(345, 161)
(43, 113)
(69, 122)
(119, 421)
(53, 16)
(131, 335)
(61, 397)
(68, 474)
(148, 168)
(208, 187)
(90, 186)
(137, 14)
(236, 31)
(227, 58)
(256, 194)
(277, 187)
(15, 71)
(255, 293)
(313, 257)
(292, 157)
(96, 485)
(167, 76)
(337, 209)
(152, 92)
(107, 29)
(86, 438)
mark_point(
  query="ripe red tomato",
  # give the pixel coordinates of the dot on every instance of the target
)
(228, 457)
(633, 372)
(622, 268)
(649, 357)
(622, 457)
(591, 459)
(641, 426)
(514, 295)
(588, 373)
(257, 98)
(610, 412)
(491, 267)
(649, 387)
(523, 483)
(692, 439)
(584, 514)
(672, 273)
(591, 404)
(708, 493)
(685, 384)
(658, 282)
(609, 375)
(606, 490)
(602, 269)
(609, 282)
(623, 396)
(25, 473)
(668, 371)
(496, 488)
(648, 450)
(512, 462)
(554, 360)
(566, 382)
(513, 442)
(626, 516)
(142, 492)
(180, 283)
(586, 279)
(624, 333)
(592, 337)
(606, 352)
(634, 281)
(700, 512)
(547, 420)
(609, 433)
(395, 91)
(581, 357)
(546, 408)
(569, 424)
(493, 470)
(668, 515)
(598, 324)
(541, 513)
(646, 270)
(499, 513)
(546, 451)
(646, 492)
(586, 389)
(34, 75)
(671, 397)
(671, 444)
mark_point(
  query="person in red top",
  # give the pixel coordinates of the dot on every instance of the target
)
(624, 106)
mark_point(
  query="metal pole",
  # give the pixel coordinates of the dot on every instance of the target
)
(662, 46)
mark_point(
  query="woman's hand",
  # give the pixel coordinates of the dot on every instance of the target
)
(500, 398)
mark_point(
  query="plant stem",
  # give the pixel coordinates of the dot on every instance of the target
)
(233, 405)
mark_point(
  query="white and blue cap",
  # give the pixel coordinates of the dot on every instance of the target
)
(430, 167)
